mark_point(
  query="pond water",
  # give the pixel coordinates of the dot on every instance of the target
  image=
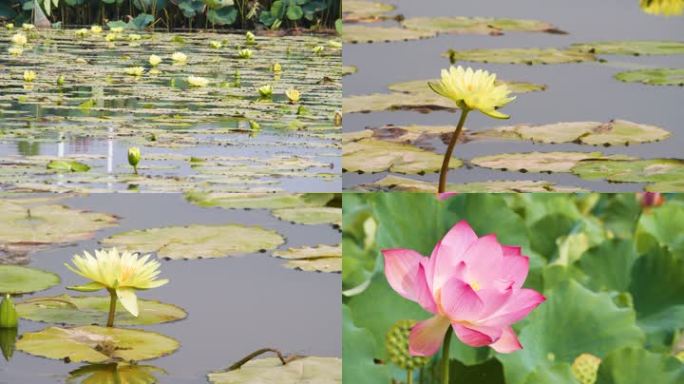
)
(235, 305)
(219, 137)
(575, 92)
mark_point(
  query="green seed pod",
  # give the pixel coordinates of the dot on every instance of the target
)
(8, 314)
(585, 368)
(397, 344)
(133, 156)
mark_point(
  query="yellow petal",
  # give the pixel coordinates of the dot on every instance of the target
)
(128, 299)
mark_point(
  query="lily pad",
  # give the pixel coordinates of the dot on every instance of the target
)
(349, 70)
(659, 76)
(393, 183)
(259, 200)
(371, 156)
(95, 344)
(364, 11)
(310, 369)
(92, 310)
(632, 171)
(630, 47)
(529, 56)
(15, 279)
(421, 86)
(363, 34)
(535, 161)
(477, 25)
(310, 215)
(115, 373)
(68, 166)
(322, 258)
(197, 241)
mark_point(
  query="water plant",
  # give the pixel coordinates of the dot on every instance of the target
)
(215, 44)
(19, 39)
(245, 53)
(29, 76)
(154, 60)
(276, 67)
(120, 273)
(179, 58)
(250, 39)
(470, 90)
(197, 81)
(81, 32)
(318, 50)
(95, 29)
(134, 158)
(135, 71)
(15, 51)
(8, 313)
(293, 95)
(266, 91)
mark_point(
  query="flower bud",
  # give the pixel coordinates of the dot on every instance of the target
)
(8, 314)
(134, 157)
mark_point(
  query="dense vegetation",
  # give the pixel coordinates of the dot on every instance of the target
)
(177, 14)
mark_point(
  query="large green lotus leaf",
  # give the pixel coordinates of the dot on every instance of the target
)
(363, 34)
(421, 86)
(259, 200)
(322, 258)
(535, 161)
(397, 183)
(487, 372)
(197, 241)
(619, 212)
(609, 265)
(476, 25)
(44, 224)
(560, 373)
(573, 320)
(310, 215)
(366, 11)
(635, 171)
(15, 279)
(360, 255)
(95, 344)
(92, 310)
(310, 369)
(637, 366)
(372, 156)
(659, 76)
(527, 56)
(663, 224)
(114, 373)
(359, 352)
(629, 47)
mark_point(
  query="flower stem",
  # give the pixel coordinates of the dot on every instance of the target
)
(135, 169)
(445, 356)
(409, 376)
(112, 307)
(450, 151)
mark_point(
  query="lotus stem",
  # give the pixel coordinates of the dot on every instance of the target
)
(283, 359)
(445, 356)
(409, 376)
(112, 307)
(135, 169)
(450, 151)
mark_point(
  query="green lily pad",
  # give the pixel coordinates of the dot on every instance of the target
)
(349, 70)
(310, 369)
(371, 156)
(659, 76)
(322, 258)
(259, 200)
(630, 47)
(529, 56)
(364, 11)
(421, 86)
(15, 279)
(68, 166)
(356, 34)
(636, 365)
(535, 161)
(476, 25)
(633, 171)
(115, 373)
(94, 344)
(666, 186)
(92, 310)
(197, 241)
(310, 215)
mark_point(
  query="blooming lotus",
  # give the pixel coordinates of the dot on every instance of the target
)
(121, 274)
(266, 91)
(135, 71)
(29, 76)
(155, 60)
(96, 29)
(651, 199)
(215, 44)
(15, 51)
(19, 39)
(179, 57)
(245, 53)
(197, 81)
(293, 95)
(471, 284)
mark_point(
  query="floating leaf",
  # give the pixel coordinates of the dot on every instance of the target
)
(366, 11)
(363, 34)
(660, 76)
(535, 161)
(322, 258)
(421, 86)
(310, 215)
(349, 70)
(310, 369)
(396, 183)
(68, 166)
(92, 310)
(476, 25)
(260, 200)
(197, 241)
(527, 56)
(94, 344)
(630, 47)
(15, 279)
(635, 171)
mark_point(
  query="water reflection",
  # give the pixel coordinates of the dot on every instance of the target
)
(8, 338)
(115, 373)
(28, 148)
(663, 7)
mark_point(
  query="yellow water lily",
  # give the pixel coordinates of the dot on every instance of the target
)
(245, 53)
(266, 91)
(9, 26)
(135, 71)
(215, 44)
(111, 37)
(663, 7)
(28, 27)
(276, 67)
(96, 29)
(81, 32)
(116, 29)
(155, 60)
(293, 95)
(120, 273)
(179, 57)
(197, 81)
(15, 51)
(473, 90)
(134, 37)
(318, 50)
(19, 39)
(250, 38)
(29, 76)
(335, 44)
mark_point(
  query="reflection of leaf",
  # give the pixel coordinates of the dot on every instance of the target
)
(16, 279)
(310, 369)
(123, 373)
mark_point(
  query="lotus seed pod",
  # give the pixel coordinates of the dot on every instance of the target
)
(8, 314)
(397, 344)
(585, 368)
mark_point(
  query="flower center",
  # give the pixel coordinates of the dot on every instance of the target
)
(475, 285)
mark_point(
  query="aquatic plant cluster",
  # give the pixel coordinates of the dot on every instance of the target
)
(171, 15)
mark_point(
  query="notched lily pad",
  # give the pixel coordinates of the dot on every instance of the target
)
(631, 171)
(631, 47)
(197, 241)
(322, 258)
(95, 344)
(15, 279)
(393, 183)
(363, 34)
(659, 76)
(364, 11)
(311, 369)
(310, 215)
(477, 25)
(68, 166)
(92, 310)
(529, 56)
(259, 200)
(536, 161)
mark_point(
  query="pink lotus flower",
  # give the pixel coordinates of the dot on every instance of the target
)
(472, 284)
(652, 199)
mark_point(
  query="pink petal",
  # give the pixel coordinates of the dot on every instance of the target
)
(427, 336)
(483, 259)
(459, 301)
(521, 303)
(508, 342)
(474, 337)
(514, 268)
(401, 270)
(494, 300)
(509, 250)
(422, 291)
(449, 252)
(446, 195)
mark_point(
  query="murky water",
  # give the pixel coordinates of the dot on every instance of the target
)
(576, 92)
(235, 305)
